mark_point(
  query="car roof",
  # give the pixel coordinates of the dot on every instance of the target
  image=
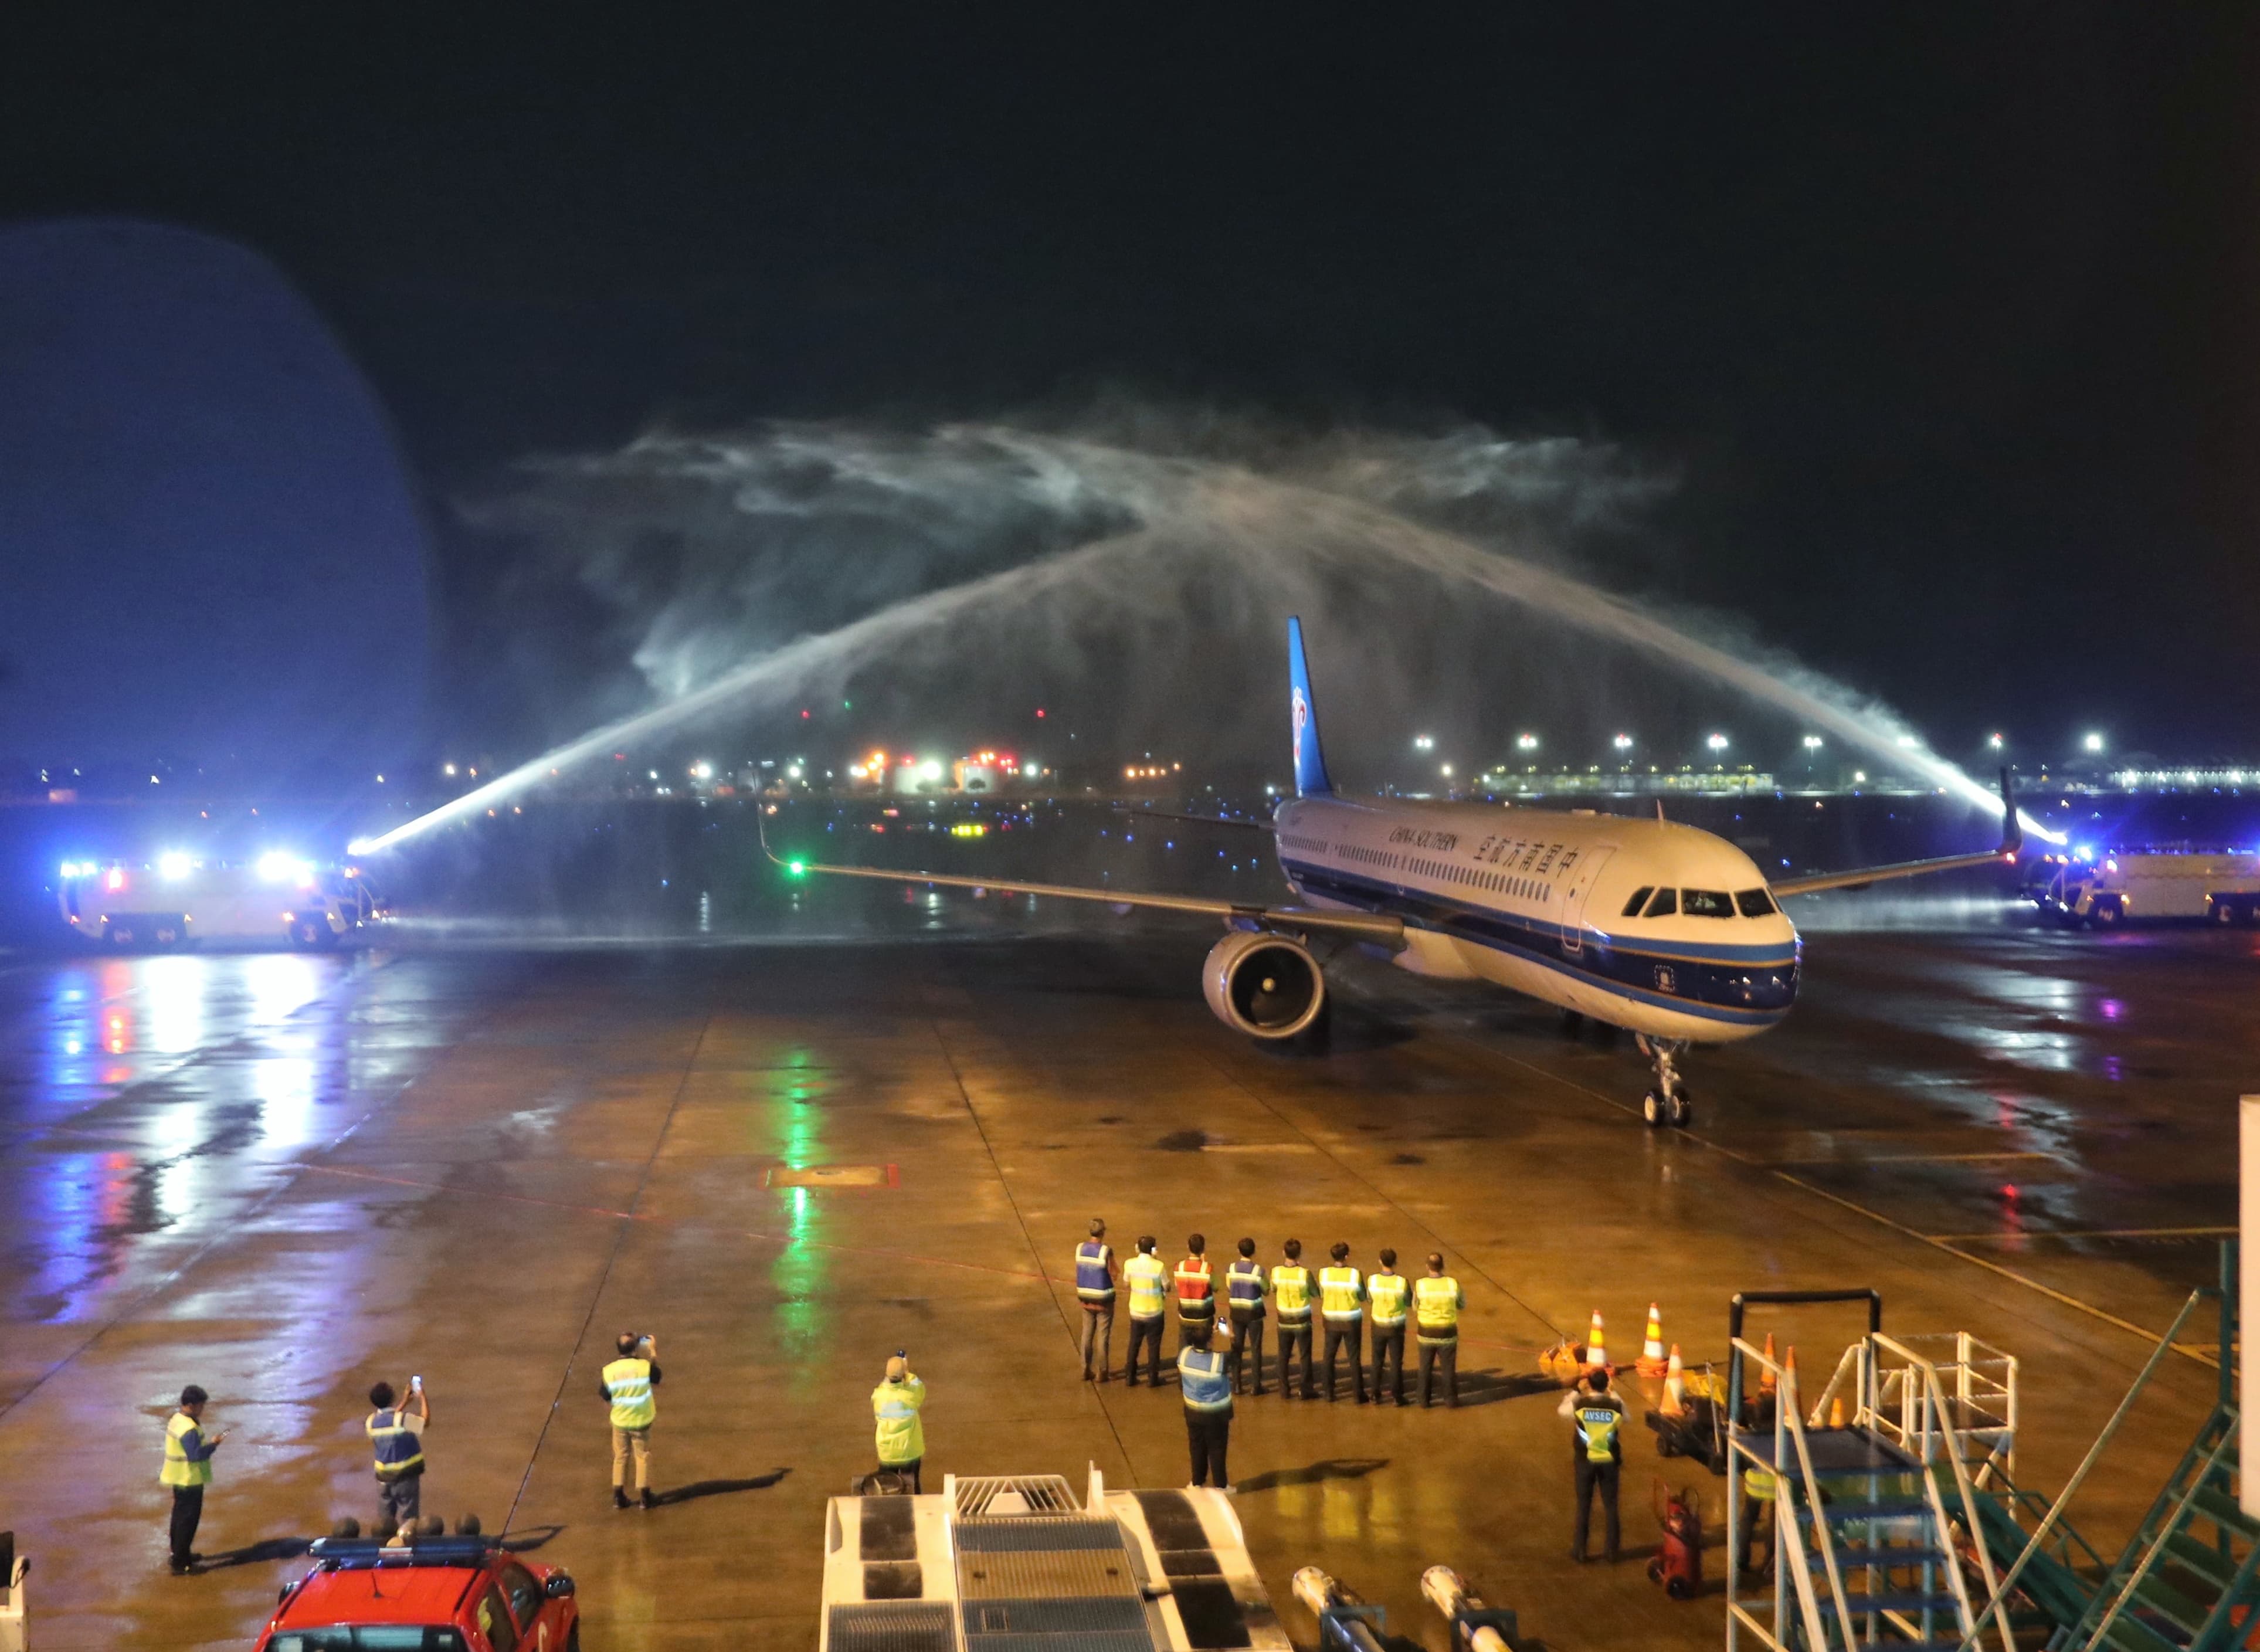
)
(388, 1594)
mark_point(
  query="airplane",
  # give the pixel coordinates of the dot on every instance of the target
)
(1665, 930)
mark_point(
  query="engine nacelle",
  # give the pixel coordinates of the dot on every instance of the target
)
(1264, 984)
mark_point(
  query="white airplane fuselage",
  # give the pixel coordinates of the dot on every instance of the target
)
(1543, 903)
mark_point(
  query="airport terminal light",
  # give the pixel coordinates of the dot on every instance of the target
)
(2091, 742)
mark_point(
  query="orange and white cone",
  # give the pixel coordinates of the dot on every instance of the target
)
(1675, 1387)
(1651, 1351)
(1836, 1412)
(1597, 1350)
(1767, 1380)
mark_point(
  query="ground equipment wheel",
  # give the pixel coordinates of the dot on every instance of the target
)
(2108, 915)
(2223, 913)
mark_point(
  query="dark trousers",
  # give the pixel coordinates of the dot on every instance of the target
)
(1345, 1335)
(1247, 1340)
(1293, 1334)
(188, 1510)
(1602, 1477)
(1207, 1433)
(1098, 1329)
(400, 1501)
(1389, 1353)
(1444, 1352)
(1146, 1334)
(1756, 1521)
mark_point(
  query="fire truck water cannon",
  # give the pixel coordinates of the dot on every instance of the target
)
(1475, 1625)
(1345, 1623)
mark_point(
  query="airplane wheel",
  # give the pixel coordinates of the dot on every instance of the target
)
(1651, 1110)
(1682, 1110)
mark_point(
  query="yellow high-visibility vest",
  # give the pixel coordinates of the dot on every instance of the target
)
(180, 1469)
(1290, 1291)
(1342, 1293)
(1437, 1302)
(1388, 1293)
(1148, 1283)
(633, 1403)
(901, 1435)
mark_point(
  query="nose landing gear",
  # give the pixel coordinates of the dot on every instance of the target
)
(1667, 1101)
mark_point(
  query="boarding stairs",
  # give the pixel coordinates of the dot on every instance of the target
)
(1865, 1512)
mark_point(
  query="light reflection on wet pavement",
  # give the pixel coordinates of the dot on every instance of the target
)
(281, 1175)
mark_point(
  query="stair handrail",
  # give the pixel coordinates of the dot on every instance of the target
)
(1999, 1600)
(2166, 1529)
(1934, 1404)
(1787, 1543)
(2036, 1504)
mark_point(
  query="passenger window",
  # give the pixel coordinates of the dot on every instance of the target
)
(1754, 903)
(494, 1623)
(524, 1594)
(1705, 903)
(1665, 904)
(1639, 899)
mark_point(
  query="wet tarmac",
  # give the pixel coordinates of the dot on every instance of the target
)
(283, 1178)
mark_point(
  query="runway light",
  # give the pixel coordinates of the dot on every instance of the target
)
(797, 869)
(173, 866)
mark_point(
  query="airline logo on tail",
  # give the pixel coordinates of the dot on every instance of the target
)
(1311, 779)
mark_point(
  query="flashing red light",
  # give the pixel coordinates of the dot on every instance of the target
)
(803, 712)
(1040, 711)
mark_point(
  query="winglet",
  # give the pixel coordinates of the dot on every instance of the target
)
(1311, 779)
(2012, 829)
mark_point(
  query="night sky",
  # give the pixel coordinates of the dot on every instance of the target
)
(1944, 316)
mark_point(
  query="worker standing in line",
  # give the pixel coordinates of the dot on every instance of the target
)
(1195, 1292)
(1597, 1447)
(1290, 1300)
(895, 1405)
(1095, 1279)
(188, 1471)
(1341, 1304)
(627, 1384)
(1390, 1293)
(1207, 1393)
(1149, 1291)
(397, 1442)
(1244, 1283)
(1436, 1303)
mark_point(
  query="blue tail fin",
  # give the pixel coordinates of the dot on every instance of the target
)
(1310, 762)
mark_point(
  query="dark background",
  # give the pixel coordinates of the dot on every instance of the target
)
(1942, 314)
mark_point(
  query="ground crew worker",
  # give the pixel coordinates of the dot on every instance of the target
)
(1148, 1284)
(1436, 1303)
(1390, 1293)
(1243, 1283)
(1290, 1300)
(1195, 1292)
(627, 1384)
(1341, 1304)
(1597, 1448)
(1095, 1279)
(1207, 1393)
(896, 1404)
(1757, 1511)
(188, 1471)
(398, 1444)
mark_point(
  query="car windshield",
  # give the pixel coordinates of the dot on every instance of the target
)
(1705, 903)
(369, 1637)
(1754, 903)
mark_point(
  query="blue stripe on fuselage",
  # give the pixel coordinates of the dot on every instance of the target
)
(1763, 978)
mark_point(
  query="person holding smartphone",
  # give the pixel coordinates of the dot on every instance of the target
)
(627, 1387)
(396, 1436)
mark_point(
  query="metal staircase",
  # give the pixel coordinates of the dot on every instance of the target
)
(1864, 1514)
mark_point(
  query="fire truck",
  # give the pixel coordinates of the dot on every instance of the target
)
(2107, 889)
(177, 899)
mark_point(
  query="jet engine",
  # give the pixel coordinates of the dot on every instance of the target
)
(1264, 984)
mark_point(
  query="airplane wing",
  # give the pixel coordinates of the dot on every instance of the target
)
(1361, 925)
(2012, 840)
(1197, 820)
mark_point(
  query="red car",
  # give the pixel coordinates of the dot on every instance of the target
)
(438, 1594)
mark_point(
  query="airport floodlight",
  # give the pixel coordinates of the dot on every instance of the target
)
(448, 770)
(1717, 742)
(2092, 742)
(1860, 776)
(1526, 742)
(1813, 742)
(702, 771)
(1423, 743)
(1446, 771)
(1624, 742)
(1995, 742)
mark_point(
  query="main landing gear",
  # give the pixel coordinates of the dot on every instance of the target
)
(1667, 1101)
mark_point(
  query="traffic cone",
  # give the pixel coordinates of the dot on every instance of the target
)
(1789, 1367)
(1675, 1387)
(1836, 1412)
(1651, 1351)
(1767, 1381)
(1596, 1351)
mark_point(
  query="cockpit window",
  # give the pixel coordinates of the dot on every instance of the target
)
(1754, 903)
(1665, 904)
(1639, 899)
(1705, 903)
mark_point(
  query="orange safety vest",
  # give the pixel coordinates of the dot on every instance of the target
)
(1196, 1289)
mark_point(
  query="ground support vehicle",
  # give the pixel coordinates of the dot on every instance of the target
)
(432, 1594)
(2114, 888)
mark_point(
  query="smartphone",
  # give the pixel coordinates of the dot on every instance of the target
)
(416, 1382)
